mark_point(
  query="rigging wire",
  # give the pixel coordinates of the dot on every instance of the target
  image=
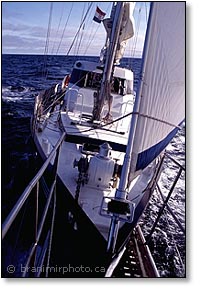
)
(93, 33)
(90, 28)
(58, 28)
(79, 28)
(45, 72)
(174, 242)
(96, 127)
(137, 32)
(166, 217)
(63, 32)
(81, 39)
(77, 45)
(90, 39)
(60, 96)
(125, 116)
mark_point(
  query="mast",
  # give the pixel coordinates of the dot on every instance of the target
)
(111, 53)
(121, 192)
(113, 41)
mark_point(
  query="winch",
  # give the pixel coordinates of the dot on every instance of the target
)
(101, 168)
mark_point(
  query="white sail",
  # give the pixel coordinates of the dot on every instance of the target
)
(127, 25)
(161, 97)
(127, 29)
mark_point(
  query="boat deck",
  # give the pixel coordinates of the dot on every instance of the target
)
(77, 121)
(90, 195)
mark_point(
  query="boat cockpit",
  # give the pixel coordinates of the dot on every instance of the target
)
(84, 85)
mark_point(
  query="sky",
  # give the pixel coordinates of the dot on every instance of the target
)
(193, 161)
(18, 40)
(25, 27)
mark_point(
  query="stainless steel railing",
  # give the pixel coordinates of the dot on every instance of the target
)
(39, 225)
(165, 204)
(19, 204)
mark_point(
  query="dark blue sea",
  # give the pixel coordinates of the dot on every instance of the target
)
(23, 76)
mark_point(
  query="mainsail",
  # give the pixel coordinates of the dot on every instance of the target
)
(161, 95)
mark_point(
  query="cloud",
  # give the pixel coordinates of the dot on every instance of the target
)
(8, 26)
(18, 35)
(22, 38)
(24, 29)
(12, 43)
(25, 38)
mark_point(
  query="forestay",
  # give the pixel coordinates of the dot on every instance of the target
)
(161, 95)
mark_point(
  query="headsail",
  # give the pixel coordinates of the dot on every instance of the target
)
(161, 95)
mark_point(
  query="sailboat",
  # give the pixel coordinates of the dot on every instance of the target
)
(102, 143)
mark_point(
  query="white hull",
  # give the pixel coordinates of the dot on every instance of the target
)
(91, 194)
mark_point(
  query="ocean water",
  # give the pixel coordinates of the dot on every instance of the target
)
(168, 242)
(22, 78)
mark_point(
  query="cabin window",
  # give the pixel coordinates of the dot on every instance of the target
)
(94, 80)
(119, 86)
(86, 79)
(78, 77)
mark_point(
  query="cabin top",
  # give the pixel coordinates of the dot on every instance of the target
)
(95, 67)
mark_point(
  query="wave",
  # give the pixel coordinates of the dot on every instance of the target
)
(16, 93)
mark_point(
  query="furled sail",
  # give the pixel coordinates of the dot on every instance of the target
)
(161, 95)
(126, 29)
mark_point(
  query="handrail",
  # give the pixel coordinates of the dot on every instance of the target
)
(126, 104)
(124, 113)
(165, 201)
(14, 212)
(170, 210)
(68, 96)
(32, 250)
(175, 161)
(81, 111)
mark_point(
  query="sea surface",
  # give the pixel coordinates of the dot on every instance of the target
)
(23, 76)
